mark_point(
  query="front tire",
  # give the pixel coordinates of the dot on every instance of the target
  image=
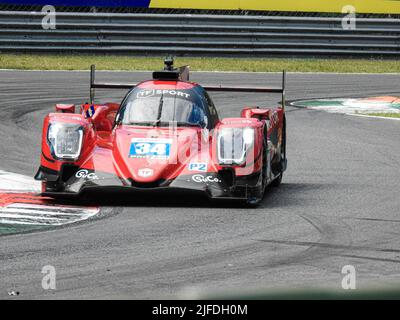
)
(255, 199)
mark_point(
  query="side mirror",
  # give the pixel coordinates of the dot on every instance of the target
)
(65, 108)
(101, 119)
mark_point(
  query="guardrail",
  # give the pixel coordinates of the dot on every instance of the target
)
(215, 35)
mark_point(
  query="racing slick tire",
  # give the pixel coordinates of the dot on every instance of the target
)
(282, 158)
(255, 199)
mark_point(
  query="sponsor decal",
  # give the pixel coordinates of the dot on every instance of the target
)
(205, 179)
(154, 92)
(197, 166)
(90, 112)
(85, 174)
(145, 173)
(150, 148)
(385, 104)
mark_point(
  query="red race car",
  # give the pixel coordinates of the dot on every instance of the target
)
(164, 136)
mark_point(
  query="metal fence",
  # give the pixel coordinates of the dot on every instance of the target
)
(183, 34)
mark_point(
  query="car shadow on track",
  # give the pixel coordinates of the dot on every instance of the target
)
(291, 194)
(288, 194)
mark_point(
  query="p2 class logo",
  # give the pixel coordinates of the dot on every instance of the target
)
(145, 173)
(205, 179)
(201, 167)
(84, 174)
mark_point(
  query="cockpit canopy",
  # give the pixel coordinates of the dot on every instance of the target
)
(165, 107)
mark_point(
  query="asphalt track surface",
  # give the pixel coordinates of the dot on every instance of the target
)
(338, 204)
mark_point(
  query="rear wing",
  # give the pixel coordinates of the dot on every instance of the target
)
(182, 74)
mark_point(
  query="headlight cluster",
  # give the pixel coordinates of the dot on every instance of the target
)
(65, 140)
(233, 144)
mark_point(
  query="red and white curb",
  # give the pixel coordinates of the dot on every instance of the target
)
(21, 204)
(363, 107)
(374, 117)
(18, 182)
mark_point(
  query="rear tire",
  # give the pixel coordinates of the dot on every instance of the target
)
(282, 158)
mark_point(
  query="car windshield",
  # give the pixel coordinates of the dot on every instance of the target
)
(161, 107)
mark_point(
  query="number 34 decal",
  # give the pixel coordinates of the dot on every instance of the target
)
(150, 148)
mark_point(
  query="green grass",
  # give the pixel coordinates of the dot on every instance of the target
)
(104, 62)
(388, 115)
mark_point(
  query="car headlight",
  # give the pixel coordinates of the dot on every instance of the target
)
(65, 140)
(233, 144)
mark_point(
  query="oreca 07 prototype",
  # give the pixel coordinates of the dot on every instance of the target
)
(166, 136)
